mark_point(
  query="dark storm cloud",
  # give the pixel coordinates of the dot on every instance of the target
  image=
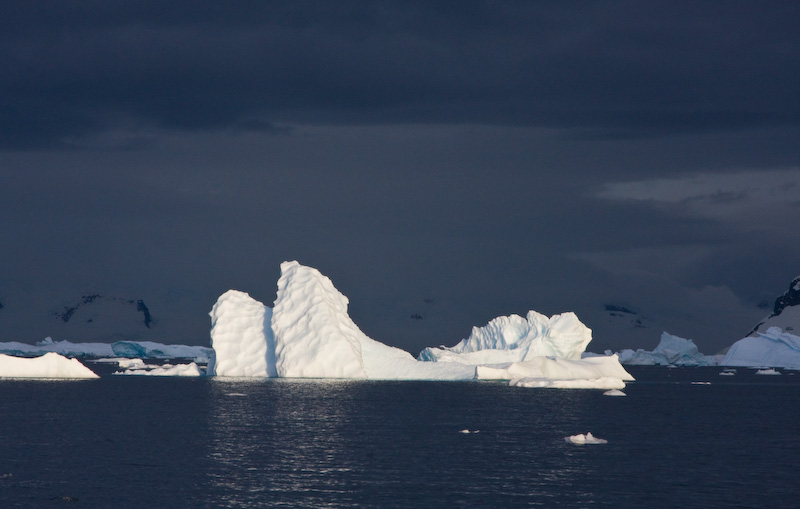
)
(75, 70)
(493, 157)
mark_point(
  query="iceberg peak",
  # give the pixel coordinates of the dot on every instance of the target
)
(515, 339)
(314, 335)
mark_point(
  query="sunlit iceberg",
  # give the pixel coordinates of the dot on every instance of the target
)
(774, 348)
(516, 339)
(309, 334)
(49, 365)
(671, 351)
(535, 351)
(241, 337)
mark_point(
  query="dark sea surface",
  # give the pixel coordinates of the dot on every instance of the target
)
(124, 441)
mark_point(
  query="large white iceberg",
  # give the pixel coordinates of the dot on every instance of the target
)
(309, 334)
(49, 365)
(516, 339)
(774, 348)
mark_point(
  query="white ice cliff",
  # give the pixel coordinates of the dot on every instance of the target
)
(309, 334)
(49, 365)
(241, 337)
(671, 350)
(314, 335)
(774, 348)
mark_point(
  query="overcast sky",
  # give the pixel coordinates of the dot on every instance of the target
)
(450, 161)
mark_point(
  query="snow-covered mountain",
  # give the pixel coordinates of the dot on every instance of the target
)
(786, 312)
(30, 313)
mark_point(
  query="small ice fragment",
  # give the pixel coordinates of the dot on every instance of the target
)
(465, 431)
(614, 392)
(701, 383)
(769, 371)
(588, 438)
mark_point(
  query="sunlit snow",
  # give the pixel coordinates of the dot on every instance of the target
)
(49, 365)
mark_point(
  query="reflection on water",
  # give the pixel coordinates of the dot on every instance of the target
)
(336, 443)
(274, 440)
(155, 442)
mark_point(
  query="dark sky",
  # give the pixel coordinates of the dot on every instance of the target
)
(451, 161)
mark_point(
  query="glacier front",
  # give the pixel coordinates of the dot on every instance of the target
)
(309, 334)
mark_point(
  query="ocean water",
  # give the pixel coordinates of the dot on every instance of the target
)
(181, 442)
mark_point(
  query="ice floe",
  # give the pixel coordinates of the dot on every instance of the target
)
(581, 439)
(49, 365)
(190, 369)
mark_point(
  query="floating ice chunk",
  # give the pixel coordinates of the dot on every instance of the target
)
(515, 339)
(769, 371)
(598, 372)
(49, 365)
(700, 383)
(549, 383)
(241, 337)
(190, 369)
(614, 392)
(588, 438)
(131, 363)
